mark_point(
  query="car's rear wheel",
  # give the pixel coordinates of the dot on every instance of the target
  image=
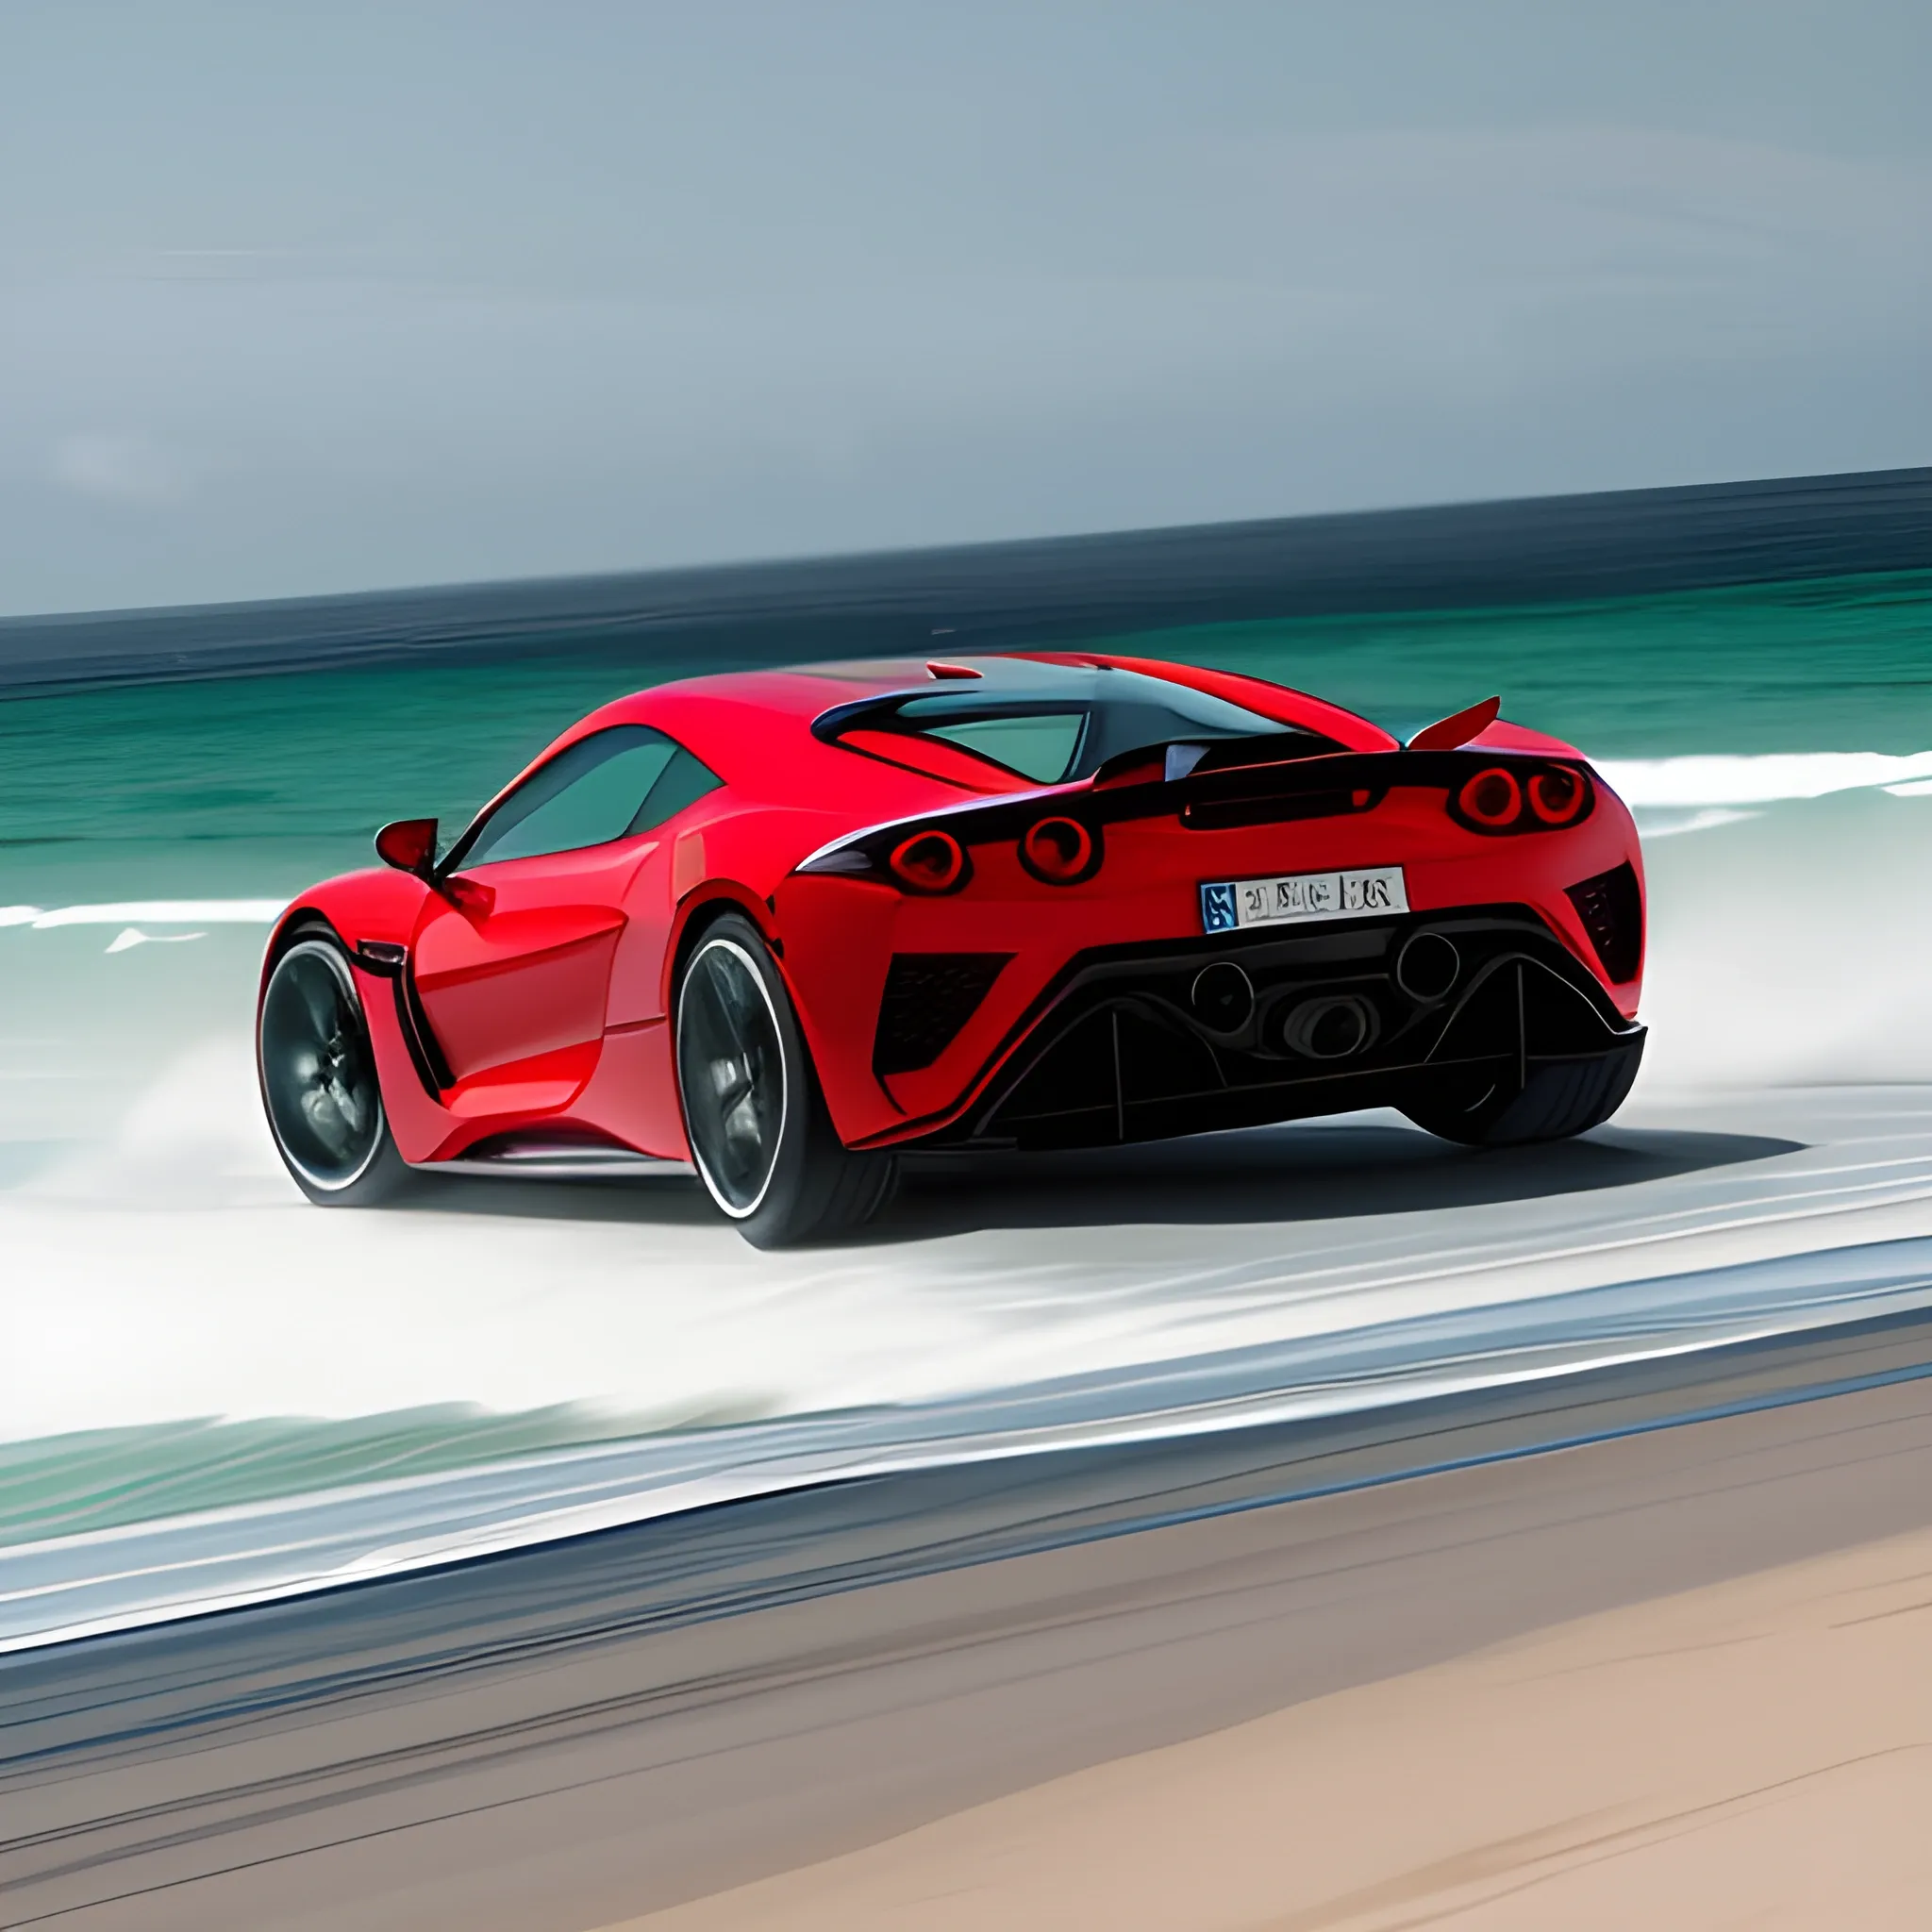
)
(318, 1080)
(763, 1143)
(1557, 1102)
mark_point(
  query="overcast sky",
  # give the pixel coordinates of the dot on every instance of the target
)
(299, 298)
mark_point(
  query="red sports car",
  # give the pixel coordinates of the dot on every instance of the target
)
(779, 926)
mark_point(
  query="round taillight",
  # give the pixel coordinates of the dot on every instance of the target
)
(1491, 798)
(1061, 851)
(1557, 797)
(928, 862)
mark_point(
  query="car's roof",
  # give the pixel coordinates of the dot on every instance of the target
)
(754, 727)
(806, 692)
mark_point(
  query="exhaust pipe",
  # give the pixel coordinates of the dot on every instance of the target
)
(1335, 1027)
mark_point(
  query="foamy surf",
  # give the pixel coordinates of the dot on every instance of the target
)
(65, 1588)
(176, 1273)
(139, 912)
(163, 1268)
(1701, 792)
(1765, 778)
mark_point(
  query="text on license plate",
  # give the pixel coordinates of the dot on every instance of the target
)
(1229, 905)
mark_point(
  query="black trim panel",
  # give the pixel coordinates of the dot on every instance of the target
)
(1254, 1077)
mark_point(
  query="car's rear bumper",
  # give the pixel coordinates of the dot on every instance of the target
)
(1118, 1048)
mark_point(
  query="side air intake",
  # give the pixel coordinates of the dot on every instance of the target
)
(1611, 909)
(929, 998)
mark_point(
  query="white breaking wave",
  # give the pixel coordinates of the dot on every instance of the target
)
(1724, 779)
(1654, 821)
(149, 912)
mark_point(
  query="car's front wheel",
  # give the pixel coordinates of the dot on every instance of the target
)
(763, 1143)
(318, 1080)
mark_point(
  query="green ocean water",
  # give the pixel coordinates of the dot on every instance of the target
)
(250, 785)
(100, 1479)
(1834, 665)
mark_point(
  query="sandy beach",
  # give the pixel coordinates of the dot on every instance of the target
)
(1757, 1753)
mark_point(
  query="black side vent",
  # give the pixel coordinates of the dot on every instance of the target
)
(928, 997)
(425, 1050)
(1611, 909)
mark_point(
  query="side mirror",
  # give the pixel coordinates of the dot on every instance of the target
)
(410, 845)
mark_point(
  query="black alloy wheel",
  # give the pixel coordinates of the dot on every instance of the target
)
(763, 1143)
(732, 1070)
(319, 1083)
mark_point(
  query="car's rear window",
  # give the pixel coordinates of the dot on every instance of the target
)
(1069, 732)
(1038, 746)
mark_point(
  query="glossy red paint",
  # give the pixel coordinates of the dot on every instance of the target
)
(536, 994)
(1459, 727)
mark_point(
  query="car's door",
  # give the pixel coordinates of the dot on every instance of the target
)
(513, 959)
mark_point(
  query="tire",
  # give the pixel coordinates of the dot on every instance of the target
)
(319, 1086)
(760, 1138)
(1559, 1101)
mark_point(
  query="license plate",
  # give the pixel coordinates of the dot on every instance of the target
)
(1296, 897)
